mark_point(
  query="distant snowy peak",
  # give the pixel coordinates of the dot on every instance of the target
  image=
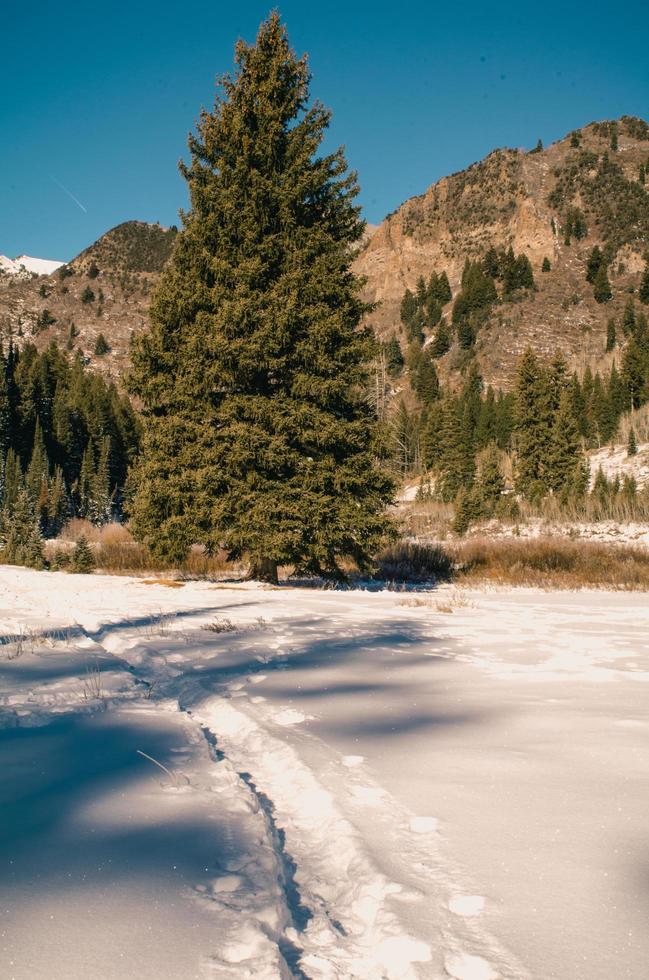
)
(27, 264)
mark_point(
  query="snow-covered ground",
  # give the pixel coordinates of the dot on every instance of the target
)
(357, 785)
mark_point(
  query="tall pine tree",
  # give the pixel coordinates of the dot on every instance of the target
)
(257, 436)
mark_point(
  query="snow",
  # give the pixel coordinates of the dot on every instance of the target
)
(28, 264)
(352, 787)
(615, 461)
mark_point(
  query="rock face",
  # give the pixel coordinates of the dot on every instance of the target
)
(509, 198)
(523, 200)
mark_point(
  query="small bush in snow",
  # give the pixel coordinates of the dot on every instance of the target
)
(222, 625)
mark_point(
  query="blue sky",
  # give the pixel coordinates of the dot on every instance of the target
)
(96, 99)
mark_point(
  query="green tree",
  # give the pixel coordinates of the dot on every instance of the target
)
(601, 286)
(21, 536)
(565, 460)
(610, 335)
(93, 270)
(257, 434)
(534, 419)
(628, 318)
(595, 260)
(393, 355)
(442, 340)
(545, 265)
(643, 292)
(87, 296)
(101, 346)
(632, 444)
(83, 560)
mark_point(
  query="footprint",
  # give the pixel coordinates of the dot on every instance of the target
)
(465, 967)
(423, 825)
(467, 905)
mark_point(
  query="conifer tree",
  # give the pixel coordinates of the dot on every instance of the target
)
(21, 536)
(565, 460)
(57, 507)
(610, 335)
(545, 265)
(628, 318)
(100, 496)
(643, 292)
(593, 264)
(39, 467)
(601, 286)
(83, 560)
(257, 435)
(632, 444)
(442, 341)
(394, 357)
(489, 481)
(533, 425)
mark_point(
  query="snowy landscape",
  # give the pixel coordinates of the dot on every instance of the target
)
(213, 780)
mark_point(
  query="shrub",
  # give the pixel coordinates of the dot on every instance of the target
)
(409, 562)
(87, 296)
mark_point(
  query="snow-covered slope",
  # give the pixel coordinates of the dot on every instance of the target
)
(27, 264)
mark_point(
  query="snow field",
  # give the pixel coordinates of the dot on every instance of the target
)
(371, 789)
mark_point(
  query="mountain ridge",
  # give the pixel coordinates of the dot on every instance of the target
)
(510, 198)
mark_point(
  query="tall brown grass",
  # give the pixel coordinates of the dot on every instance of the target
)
(551, 562)
(117, 551)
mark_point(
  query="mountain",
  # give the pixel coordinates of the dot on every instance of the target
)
(104, 290)
(553, 204)
(526, 200)
(25, 265)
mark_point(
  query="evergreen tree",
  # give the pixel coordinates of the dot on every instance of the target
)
(442, 340)
(257, 435)
(425, 382)
(628, 318)
(100, 496)
(601, 286)
(643, 292)
(545, 265)
(83, 560)
(489, 481)
(22, 542)
(565, 458)
(595, 260)
(533, 425)
(85, 483)
(632, 445)
(101, 346)
(58, 508)
(39, 467)
(394, 357)
(87, 296)
(610, 335)
(642, 174)
(456, 462)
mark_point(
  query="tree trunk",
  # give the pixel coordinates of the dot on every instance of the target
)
(265, 570)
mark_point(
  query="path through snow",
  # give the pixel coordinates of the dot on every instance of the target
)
(360, 785)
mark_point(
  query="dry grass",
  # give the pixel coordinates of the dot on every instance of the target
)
(556, 563)
(116, 551)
